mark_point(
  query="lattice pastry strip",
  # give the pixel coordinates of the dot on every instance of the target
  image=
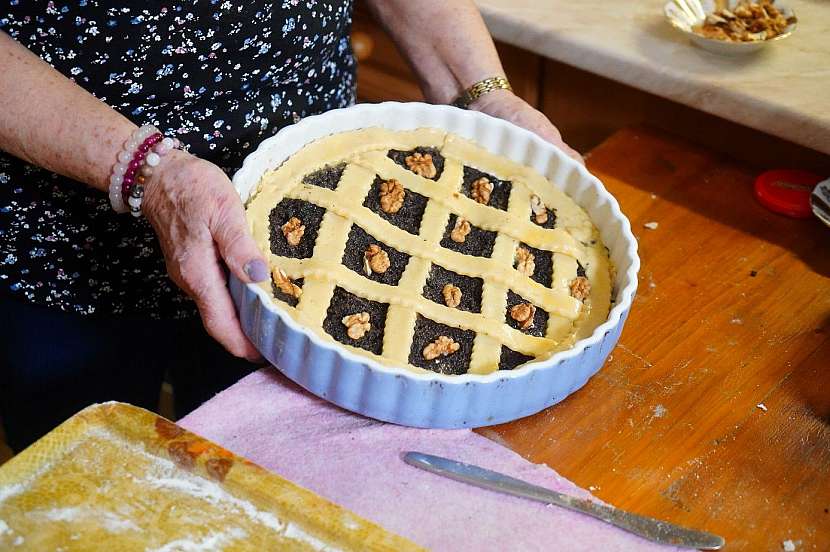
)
(330, 245)
(486, 349)
(400, 323)
(400, 320)
(365, 158)
(564, 271)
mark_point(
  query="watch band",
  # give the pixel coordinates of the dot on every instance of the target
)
(479, 89)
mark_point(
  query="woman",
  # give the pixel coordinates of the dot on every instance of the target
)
(89, 305)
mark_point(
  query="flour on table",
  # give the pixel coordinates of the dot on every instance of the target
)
(790, 546)
(4, 528)
(214, 541)
(108, 520)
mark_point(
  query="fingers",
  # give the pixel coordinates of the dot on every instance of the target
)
(544, 128)
(559, 143)
(222, 324)
(575, 155)
(555, 139)
(236, 245)
(193, 209)
(201, 277)
(516, 110)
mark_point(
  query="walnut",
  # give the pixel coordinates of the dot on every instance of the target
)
(523, 313)
(421, 164)
(580, 288)
(285, 284)
(391, 196)
(442, 346)
(357, 324)
(460, 231)
(293, 231)
(375, 260)
(748, 21)
(481, 190)
(452, 295)
(525, 261)
(540, 212)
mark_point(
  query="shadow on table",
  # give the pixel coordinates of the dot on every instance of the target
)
(812, 387)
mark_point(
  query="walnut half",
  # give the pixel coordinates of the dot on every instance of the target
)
(357, 324)
(452, 295)
(375, 260)
(460, 231)
(391, 196)
(523, 313)
(540, 212)
(293, 231)
(421, 164)
(481, 189)
(525, 261)
(580, 288)
(442, 346)
(285, 284)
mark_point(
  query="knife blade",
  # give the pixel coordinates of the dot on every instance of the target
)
(649, 528)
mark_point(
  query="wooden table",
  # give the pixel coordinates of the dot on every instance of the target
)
(714, 409)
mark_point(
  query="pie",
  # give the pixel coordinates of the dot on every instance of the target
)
(420, 249)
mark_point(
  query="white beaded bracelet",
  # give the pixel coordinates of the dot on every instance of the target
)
(141, 152)
(125, 157)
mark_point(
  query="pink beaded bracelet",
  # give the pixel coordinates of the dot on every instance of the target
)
(141, 152)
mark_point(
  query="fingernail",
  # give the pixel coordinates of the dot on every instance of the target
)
(257, 270)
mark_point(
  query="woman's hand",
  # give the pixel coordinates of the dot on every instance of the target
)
(453, 52)
(506, 105)
(200, 222)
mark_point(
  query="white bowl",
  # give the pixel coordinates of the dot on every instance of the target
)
(684, 21)
(400, 395)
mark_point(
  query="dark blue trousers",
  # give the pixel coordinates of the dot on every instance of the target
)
(53, 364)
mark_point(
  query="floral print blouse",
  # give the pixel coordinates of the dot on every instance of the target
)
(220, 75)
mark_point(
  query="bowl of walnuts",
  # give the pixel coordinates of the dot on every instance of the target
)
(732, 27)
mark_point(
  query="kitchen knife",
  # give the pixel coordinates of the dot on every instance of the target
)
(652, 529)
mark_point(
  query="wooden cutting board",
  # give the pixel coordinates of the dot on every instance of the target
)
(714, 409)
(122, 478)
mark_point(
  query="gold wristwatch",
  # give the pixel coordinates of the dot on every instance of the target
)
(479, 89)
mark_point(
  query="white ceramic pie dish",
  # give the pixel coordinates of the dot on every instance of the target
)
(403, 396)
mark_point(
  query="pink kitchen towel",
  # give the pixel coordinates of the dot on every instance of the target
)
(356, 462)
